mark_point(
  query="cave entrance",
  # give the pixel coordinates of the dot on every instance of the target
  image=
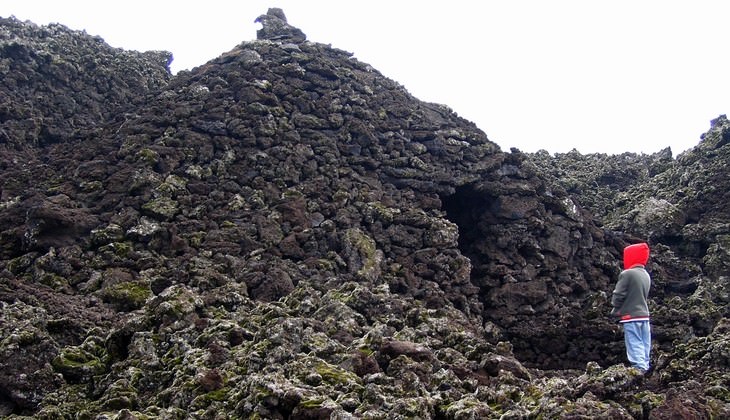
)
(524, 288)
(466, 208)
(7, 405)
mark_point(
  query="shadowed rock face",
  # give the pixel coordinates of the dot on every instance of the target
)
(285, 232)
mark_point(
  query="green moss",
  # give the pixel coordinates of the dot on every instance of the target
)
(163, 207)
(340, 195)
(106, 235)
(91, 186)
(196, 239)
(335, 375)
(172, 360)
(367, 249)
(53, 281)
(227, 224)
(258, 108)
(312, 403)
(649, 399)
(122, 249)
(461, 405)
(718, 391)
(77, 364)
(68, 402)
(338, 296)
(25, 337)
(55, 185)
(198, 172)
(128, 295)
(140, 416)
(382, 212)
(20, 264)
(119, 402)
(366, 351)
(325, 264)
(219, 394)
(119, 249)
(291, 193)
(148, 156)
(262, 392)
(172, 186)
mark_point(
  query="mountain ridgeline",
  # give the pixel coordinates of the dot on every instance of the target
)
(285, 233)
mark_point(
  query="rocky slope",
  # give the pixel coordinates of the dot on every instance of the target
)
(284, 232)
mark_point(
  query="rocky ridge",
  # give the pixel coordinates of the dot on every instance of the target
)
(284, 232)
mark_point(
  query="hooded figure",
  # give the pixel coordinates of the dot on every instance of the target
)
(629, 301)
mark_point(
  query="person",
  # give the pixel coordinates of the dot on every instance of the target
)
(630, 307)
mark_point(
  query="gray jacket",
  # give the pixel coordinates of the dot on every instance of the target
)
(629, 299)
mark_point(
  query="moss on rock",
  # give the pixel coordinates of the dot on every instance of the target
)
(128, 295)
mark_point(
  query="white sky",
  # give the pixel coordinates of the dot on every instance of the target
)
(608, 76)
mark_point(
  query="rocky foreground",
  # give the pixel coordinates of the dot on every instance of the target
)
(286, 233)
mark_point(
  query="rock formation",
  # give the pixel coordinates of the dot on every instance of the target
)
(276, 28)
(284, 232)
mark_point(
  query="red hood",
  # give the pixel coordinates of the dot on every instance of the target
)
(636, 254)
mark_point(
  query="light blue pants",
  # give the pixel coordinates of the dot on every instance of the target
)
(637, 336)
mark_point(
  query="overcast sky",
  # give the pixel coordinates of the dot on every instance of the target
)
(608, 76)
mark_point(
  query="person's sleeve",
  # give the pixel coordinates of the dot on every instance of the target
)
(619, 293)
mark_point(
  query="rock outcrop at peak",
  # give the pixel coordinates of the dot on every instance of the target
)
(284, 232)
(276, 28)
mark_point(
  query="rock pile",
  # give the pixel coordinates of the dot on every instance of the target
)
(284, 232)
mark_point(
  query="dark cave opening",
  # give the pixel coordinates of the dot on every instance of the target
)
(465, 208)
(547, 337)
(7, 405)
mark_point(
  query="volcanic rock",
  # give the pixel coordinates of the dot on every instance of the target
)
(284, 232)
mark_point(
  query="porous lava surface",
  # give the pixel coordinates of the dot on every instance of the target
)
(286, 233)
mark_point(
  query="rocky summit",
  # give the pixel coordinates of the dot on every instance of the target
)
(285, 233)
